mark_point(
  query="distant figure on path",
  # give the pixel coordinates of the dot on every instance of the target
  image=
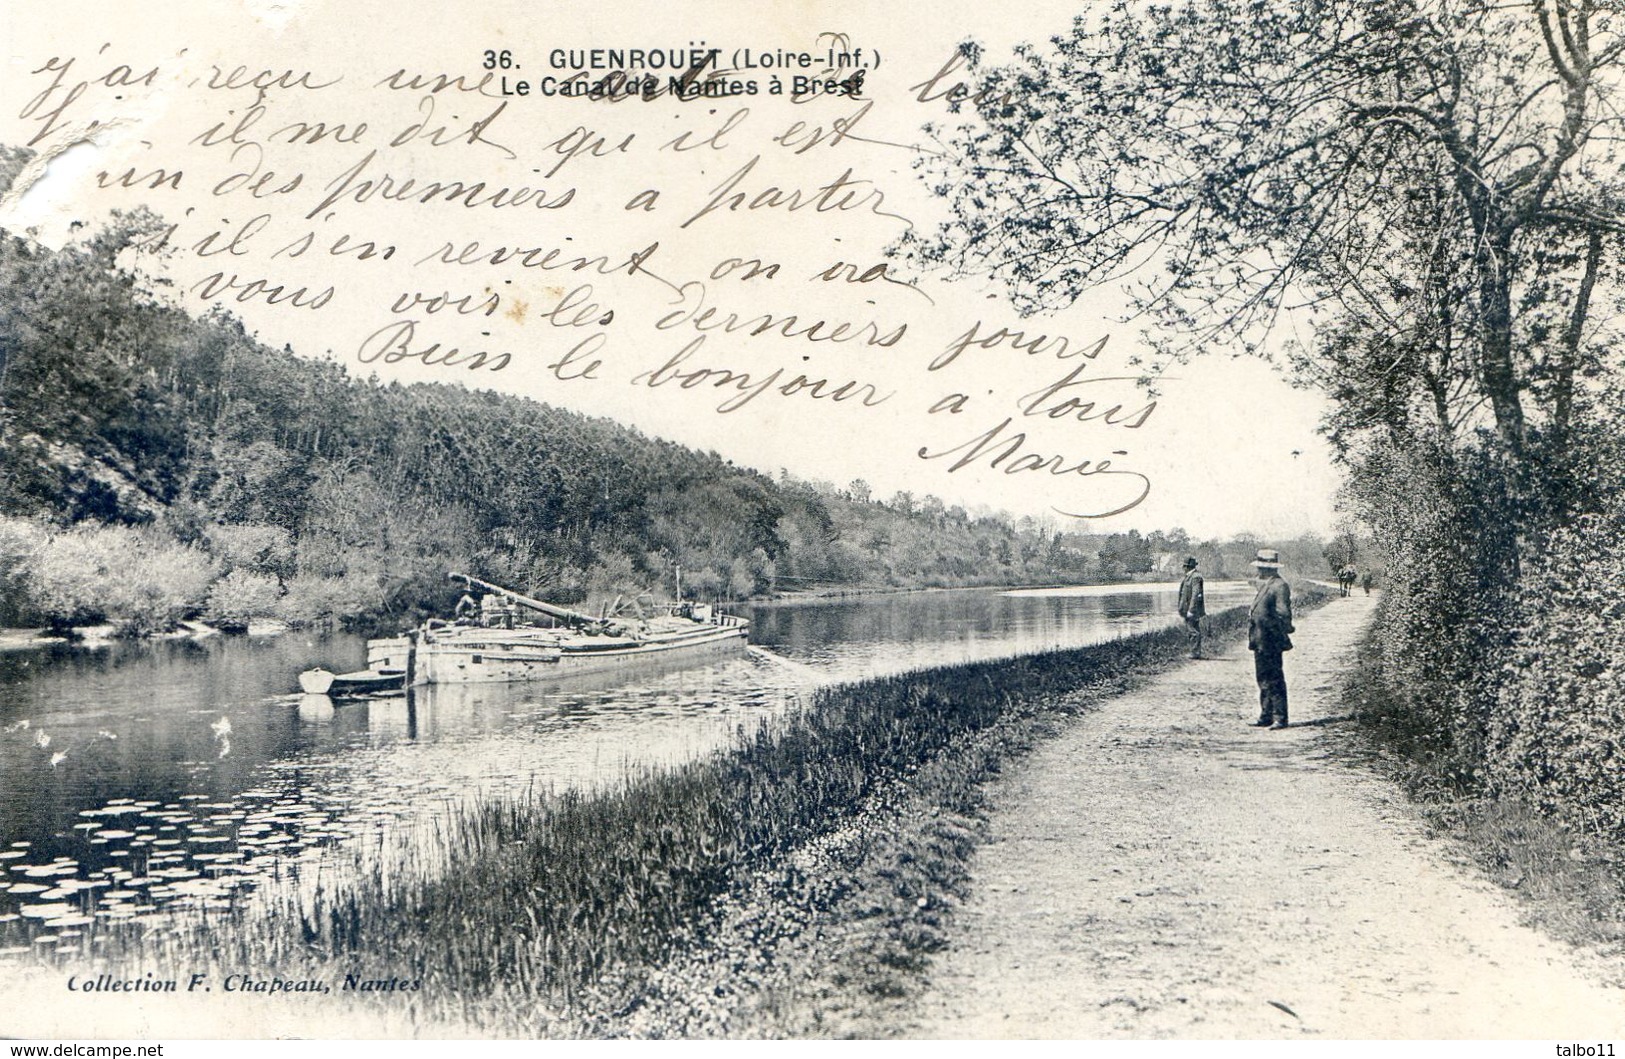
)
(1345, 578)
(1365, 582)
(1192, 607)
(1269, 625)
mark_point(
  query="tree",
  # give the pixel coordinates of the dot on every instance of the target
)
(1437, 177)
(1342, 550)
(241, 596)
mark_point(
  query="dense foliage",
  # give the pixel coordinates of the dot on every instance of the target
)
(1557, 728)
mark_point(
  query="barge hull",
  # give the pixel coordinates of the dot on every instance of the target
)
(493, 663)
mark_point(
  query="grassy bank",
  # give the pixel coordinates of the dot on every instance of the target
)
(794, 885)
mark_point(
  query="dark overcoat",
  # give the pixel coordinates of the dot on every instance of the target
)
(1191, 603)
(1269, 623)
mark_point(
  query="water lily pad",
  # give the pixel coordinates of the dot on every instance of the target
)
(48, 871)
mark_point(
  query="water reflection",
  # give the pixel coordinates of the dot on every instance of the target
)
(870, 636)
(137, 777)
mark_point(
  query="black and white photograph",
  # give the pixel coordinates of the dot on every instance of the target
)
(813, 521)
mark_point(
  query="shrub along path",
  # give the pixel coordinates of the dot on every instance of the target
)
(1161, 869)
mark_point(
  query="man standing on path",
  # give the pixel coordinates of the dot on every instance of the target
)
(1269, 625)
(1192, 607)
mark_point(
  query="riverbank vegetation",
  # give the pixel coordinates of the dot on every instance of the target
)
(1432, 194)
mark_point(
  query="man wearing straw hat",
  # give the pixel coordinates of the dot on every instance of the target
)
(1269, 625)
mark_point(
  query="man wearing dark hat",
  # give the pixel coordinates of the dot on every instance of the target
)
(1269, 624)
(1191, 605)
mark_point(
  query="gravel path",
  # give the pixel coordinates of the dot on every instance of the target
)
(1163, 870)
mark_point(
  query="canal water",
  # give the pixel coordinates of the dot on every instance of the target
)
(140, 777)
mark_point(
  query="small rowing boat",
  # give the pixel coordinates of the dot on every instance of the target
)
(361, 683)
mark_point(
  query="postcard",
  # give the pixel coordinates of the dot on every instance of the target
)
(714, 520)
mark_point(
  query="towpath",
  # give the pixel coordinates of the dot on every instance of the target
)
(1163, 870)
